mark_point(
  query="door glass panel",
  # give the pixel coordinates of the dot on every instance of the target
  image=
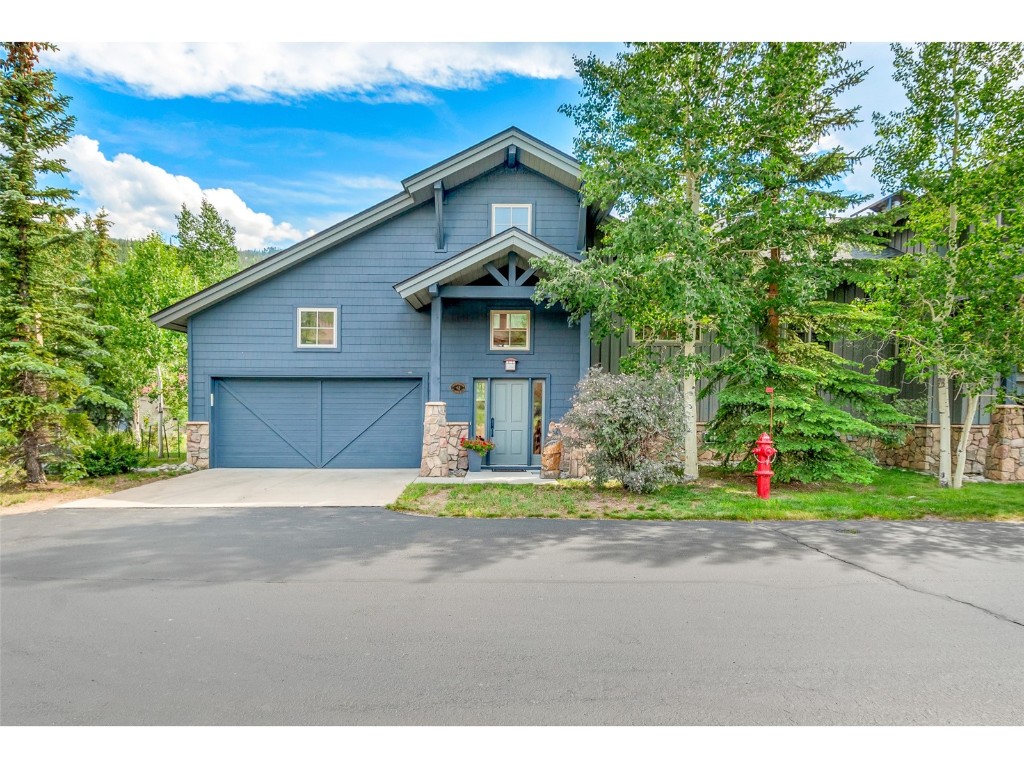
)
(538, 416)
(480, 408)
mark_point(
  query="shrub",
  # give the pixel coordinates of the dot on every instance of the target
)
(820, 401)
(628, 426)
(110, 453)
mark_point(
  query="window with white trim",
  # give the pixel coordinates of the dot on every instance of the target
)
(316, 328)
(648, 336)
(507, 215)
(510, 329)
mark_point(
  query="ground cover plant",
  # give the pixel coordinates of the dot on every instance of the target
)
(724, 495)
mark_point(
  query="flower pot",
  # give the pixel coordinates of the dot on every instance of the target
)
(475, 461)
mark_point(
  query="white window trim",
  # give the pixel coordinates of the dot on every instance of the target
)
(298, 328)
(636, 338)
(529, 215)
(490, 330)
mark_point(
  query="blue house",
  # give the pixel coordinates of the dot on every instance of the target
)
(326, 354)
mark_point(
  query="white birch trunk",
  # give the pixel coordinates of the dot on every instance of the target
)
(160, 437)
(945, 430)
(965, 440)
(691, 470)
(136, 422)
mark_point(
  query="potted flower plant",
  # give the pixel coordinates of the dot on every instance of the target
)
(477, 448)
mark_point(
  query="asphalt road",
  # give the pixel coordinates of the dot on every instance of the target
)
(363, 616)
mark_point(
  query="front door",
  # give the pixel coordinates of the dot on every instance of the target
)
(510, 422)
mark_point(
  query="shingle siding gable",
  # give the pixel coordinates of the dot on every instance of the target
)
(253, 333)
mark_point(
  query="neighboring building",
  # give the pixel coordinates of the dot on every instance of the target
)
(325, 354)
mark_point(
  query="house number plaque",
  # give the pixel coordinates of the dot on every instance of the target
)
(458, 387)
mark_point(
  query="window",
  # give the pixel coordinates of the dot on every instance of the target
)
(480, 408)
(317, 328)
(538, 417)
(507, 215)
(647, 335)
(510, 329)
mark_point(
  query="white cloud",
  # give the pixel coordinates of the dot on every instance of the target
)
(267, 71)
(825, 143)
(860, 179)
(143, 197)
(363, 182)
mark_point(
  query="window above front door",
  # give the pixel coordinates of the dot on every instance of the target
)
(507, 215)
(510, 330)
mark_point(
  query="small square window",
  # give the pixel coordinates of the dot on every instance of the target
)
(317, 328)
(648, 336)
(510, 329)
(507, 215)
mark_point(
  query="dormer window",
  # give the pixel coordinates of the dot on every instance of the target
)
(507, 215)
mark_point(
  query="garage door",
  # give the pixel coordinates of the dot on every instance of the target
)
(317, 423)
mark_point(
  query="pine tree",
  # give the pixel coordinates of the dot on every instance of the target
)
(780, 208)
(46, 333)
(206, 244)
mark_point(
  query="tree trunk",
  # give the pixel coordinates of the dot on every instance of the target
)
(160, 437)
(772, 330)
(136, 422)
(965, 440)
(945, 430)
(691, 470)
(33, 464)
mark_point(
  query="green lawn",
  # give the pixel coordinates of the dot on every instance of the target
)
(722, 495)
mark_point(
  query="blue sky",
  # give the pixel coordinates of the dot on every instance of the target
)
(288, 139)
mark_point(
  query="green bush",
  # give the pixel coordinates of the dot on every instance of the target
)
(820, 401)
(629, 426)
(109, 453)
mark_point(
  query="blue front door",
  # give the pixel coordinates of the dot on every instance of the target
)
(510, 419)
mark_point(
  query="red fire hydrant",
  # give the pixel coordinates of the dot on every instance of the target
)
(764, 452)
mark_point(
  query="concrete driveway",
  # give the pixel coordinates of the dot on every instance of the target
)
(261, 488)
(362, 616)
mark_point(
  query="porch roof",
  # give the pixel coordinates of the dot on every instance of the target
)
(471, 264)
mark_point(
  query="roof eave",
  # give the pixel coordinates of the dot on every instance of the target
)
(415, 289)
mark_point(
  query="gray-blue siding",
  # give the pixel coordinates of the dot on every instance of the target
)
(253, 333)
(465, 355)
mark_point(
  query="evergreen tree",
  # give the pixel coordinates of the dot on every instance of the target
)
(729, 220)
(780, 208)
(206, 244)
(46, 333)
(104, 252)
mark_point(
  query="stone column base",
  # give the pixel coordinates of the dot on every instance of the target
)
(197, 444)
(1005, 459)
(443, 454)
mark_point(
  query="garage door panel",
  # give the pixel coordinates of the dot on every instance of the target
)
(317, 422)
(266, 423)
(373, 423)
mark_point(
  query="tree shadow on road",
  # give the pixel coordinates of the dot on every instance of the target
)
(104, 549)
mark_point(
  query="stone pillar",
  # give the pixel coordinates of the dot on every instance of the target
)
(1005, 460)
(458, 457)
(561, 457)
(197, 444)
(434, 458)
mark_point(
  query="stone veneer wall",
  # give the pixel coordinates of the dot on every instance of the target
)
(1005, 459)
(443, 454)
(919, 450)
(197, 444)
